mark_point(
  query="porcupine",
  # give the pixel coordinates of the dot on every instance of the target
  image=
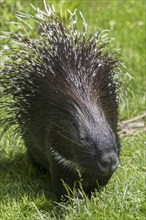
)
(63, 90)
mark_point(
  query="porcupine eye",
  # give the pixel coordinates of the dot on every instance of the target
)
(87, 141)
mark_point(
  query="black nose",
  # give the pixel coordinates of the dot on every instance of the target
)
(108, 163)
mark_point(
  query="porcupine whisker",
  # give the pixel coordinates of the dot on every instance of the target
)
(71, 140)
(68, 138)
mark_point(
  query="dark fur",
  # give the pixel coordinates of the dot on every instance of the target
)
(65, 102)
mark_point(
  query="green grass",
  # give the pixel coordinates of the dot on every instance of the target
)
(27, 194)
(24, 192)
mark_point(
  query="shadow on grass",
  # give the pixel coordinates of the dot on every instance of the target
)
(21, 180)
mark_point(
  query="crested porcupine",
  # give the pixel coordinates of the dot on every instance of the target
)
(60, 89)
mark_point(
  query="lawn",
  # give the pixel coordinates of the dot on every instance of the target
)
(26, 193)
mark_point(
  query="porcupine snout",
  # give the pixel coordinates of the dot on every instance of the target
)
(108, 163)
(106, 153)
(99, 153)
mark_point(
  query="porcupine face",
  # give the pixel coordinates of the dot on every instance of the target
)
(97, 151)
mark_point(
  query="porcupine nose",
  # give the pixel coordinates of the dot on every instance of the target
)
(108, 163)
